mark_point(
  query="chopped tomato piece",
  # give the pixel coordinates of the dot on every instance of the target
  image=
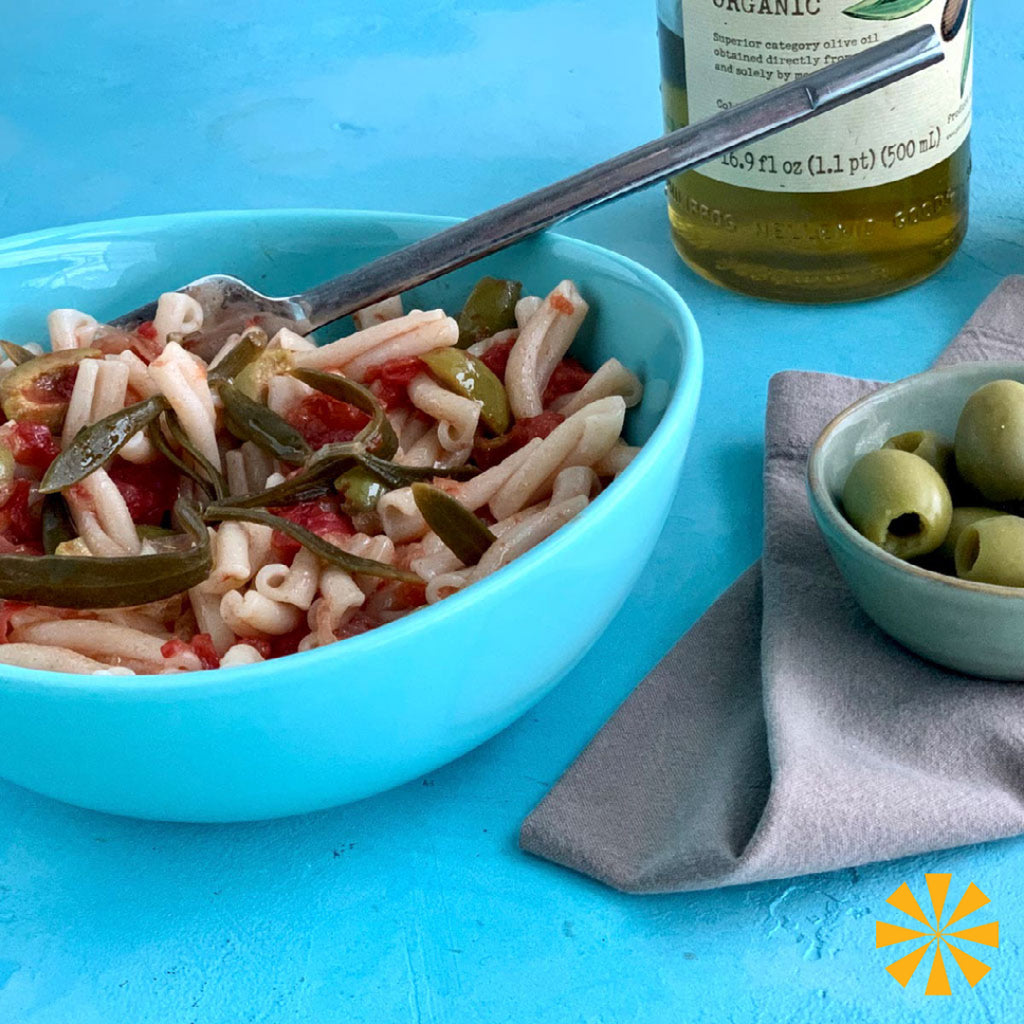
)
(261, 643)
(485, 515)
(31, 444)
(149, 489)
(174, 647)
(390, 381)
(358, 622)
(525, 430)
(322, 517)
(20, 517)
(201, 645)
(323, 420)
(496, 357)
(287, 643)
(560, 304)
(568, 377)
(145, 342)
(407, 595)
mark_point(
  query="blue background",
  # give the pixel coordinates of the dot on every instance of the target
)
(416, 905)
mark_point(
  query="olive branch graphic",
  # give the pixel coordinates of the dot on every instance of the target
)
(887, 10)
(954, 15)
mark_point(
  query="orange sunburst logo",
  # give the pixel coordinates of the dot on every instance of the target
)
(937, 934)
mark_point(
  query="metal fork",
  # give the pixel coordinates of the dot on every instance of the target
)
(229, 302)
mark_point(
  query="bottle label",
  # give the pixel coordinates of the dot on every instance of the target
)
(738, 49)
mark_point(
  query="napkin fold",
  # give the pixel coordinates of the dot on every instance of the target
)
(785, 734)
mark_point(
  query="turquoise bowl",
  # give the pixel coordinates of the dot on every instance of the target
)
(342, 722)
(974, 628)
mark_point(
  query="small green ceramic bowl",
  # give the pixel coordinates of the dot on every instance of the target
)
(973, 628)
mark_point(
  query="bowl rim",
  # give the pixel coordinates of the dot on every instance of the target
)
(674, 420)
(822, 499)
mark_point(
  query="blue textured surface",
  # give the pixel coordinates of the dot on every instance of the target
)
(416, 906)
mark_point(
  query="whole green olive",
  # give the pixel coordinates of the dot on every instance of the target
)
(963, 517)
(932, 447)
(898, 501)
(992, 551)
(989, 444)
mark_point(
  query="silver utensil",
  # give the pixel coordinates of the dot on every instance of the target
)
(228, 302)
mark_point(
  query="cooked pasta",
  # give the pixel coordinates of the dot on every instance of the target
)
(283, 495)
(70, 329)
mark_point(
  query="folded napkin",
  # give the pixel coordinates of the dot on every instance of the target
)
(785, 733)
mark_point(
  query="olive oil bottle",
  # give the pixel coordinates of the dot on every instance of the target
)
(857, 202)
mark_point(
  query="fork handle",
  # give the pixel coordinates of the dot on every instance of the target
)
(677, 151)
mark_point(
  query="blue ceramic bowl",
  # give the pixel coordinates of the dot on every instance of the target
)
(973, 628)
(334, 724)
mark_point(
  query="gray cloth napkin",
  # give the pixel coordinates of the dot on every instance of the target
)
(785, 734)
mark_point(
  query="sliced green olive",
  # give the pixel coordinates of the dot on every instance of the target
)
(992, 551)
(360, 490)
(491, 307)
(472, 378)
(77, 581)
(17, 354)
(96, 444)
(463, 533)
(252, 381)
(28, 392)
(899, 502)
(251, 344)
(378, 435)
(932, 447)
(57, 526)
(324, 549)
(253, 421)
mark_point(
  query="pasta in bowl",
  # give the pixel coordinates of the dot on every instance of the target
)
(296, 475)
(425, 484)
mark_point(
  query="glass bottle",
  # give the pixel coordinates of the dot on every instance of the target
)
(858, 202)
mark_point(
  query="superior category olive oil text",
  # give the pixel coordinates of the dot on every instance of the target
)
(861, 201)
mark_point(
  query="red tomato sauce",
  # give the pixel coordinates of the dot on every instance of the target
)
(31, 444)
(358, 622)
(568, 377)
(525, 430)
(560, 304)
(496, 357)
(322, 517)
(287, 643)
(149, 489)
(323, 420)
(20, 519)
(390, 381)
(201, 645)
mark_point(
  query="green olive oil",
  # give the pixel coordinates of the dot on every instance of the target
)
(750, 222)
